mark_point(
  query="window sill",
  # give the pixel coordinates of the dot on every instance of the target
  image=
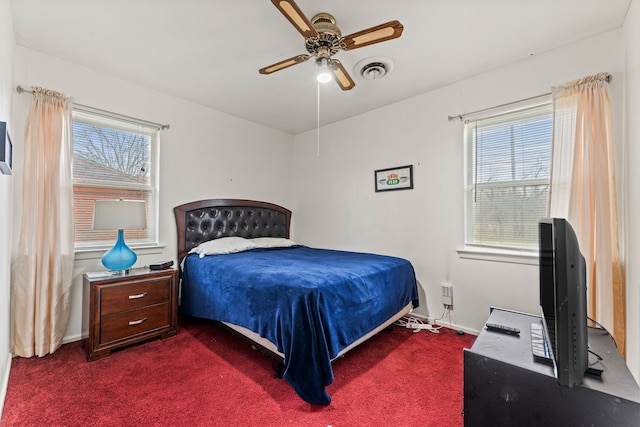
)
(499, 255)
(97, 252)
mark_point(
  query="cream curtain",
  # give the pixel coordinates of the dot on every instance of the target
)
(583, 190)
(43, 263)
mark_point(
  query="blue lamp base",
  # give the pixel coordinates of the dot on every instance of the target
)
(120, 257)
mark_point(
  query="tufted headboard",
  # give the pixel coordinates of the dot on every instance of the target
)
(205, 220)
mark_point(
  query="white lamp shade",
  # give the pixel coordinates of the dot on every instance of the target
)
(119, 215)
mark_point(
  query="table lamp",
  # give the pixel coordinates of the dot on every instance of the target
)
(119, 215)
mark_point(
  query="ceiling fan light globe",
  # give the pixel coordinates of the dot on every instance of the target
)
(324, 76)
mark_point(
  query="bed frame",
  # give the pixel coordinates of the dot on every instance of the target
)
(210, 219)
(206, 220)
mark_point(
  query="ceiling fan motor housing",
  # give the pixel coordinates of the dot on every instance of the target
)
(325, 23)
(329, 36)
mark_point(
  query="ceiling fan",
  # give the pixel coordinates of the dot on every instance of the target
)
(323, 39)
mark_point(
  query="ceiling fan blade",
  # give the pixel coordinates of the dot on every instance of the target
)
(343, 78)
(284, 64)
(293, 13)
(380, 33)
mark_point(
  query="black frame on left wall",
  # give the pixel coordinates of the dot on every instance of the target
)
(6, 150)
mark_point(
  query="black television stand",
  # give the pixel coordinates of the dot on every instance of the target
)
(504, 386)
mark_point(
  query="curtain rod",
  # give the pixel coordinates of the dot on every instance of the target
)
(463, 115)
(106, 113)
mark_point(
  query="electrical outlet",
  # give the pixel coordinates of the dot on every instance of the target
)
(447, 295)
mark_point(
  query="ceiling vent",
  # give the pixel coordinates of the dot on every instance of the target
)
(374, 68)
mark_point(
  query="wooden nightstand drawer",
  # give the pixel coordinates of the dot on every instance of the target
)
(115, 299)
(127, 309)
(129, 323)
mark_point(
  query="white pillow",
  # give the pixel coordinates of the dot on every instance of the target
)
(273, 242)
(224, 245)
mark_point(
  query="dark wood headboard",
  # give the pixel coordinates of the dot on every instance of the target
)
(205, 220)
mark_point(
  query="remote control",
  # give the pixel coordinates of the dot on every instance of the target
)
(502, 328)
(160, 265)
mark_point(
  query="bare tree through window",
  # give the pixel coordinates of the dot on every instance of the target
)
(124, 152)
(110, 163)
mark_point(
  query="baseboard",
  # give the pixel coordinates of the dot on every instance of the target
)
(459, 328)
(419, 316)
(441, 322)
(5, 383)
(71, 338)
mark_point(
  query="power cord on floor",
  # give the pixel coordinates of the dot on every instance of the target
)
(447, 312)
(417, 324)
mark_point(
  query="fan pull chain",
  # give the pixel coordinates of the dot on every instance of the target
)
(318, 123)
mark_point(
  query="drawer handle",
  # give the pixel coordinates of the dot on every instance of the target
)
(137, 322)
(142, 295)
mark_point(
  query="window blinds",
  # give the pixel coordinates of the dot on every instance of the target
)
(508, 163)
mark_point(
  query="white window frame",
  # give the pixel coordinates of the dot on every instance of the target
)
(94, 249)
(479, 250)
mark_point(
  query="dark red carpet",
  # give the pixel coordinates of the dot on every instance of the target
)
(206, 377)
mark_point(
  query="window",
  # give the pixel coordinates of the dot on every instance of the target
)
(113, 159)
(508, 160)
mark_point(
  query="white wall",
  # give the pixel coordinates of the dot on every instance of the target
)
(205, 154)
(6, 202)
(335, 204)
(632, 196)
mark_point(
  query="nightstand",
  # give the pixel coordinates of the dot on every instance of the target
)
(122, 310)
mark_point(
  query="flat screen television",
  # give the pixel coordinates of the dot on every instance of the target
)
(563, 299)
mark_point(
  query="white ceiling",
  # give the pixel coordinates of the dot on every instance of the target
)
(209, 51)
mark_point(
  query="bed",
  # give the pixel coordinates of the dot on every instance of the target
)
(303, 306)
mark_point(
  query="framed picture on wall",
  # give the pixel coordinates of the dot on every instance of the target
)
(399, 178)
(6, 150)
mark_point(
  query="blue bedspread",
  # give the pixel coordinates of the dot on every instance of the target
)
(311, 303)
